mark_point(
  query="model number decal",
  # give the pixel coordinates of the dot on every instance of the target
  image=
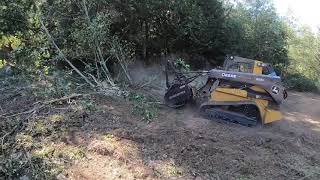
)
(229, 75)
(259, 79)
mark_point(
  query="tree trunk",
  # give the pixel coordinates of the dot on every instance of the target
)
(63, 56)
(145, 30)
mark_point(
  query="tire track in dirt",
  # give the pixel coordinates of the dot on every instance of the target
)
(290, 147)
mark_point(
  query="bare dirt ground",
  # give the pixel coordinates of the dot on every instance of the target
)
(112, 143)
(180, 145)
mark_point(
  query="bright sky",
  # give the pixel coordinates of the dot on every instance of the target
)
(307, 11)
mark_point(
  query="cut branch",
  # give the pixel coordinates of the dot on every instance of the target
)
(40, 105)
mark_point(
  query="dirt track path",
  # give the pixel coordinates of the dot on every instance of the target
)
(303, 110)
(286, 149)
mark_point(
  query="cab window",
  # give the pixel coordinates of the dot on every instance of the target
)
(268, 70)
(241, 67)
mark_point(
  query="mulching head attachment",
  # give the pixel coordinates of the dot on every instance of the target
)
(179, 92)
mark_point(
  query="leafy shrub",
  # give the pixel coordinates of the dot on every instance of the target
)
(88, 105)
(57, 85)
(180, 63)
(23, 165)
(143, 106)
(301, 83)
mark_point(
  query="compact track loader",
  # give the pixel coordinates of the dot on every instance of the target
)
(244, 91)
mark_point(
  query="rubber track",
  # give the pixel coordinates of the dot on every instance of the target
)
(217, 113)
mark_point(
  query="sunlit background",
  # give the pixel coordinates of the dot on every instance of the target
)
(306, 11)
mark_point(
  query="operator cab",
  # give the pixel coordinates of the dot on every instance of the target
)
(244, 65)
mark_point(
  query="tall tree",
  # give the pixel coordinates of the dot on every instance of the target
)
(156, 27)
(256, 31)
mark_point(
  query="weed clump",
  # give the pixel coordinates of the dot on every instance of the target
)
(144, 106)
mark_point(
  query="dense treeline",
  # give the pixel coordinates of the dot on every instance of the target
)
(304, 55)
(100, 37)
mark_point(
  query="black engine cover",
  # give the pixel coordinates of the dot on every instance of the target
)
(178, 95)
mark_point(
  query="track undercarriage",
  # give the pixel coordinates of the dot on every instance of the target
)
(245, 114)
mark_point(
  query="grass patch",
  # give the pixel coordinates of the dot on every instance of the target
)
(88, 105)
(61, 152)
(144, 106)
(167, 170)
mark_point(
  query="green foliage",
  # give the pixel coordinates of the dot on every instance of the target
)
(59, 84)
(300, 82)
(304, 49)
(88, 105)
(18, 165)
(145, 28)
(304, 54)
(82, 32)
(156, 27)
(100, 37)
(21, 43)
(257, 32)
(143, 106)
(2, 63)
(14, 15)
(182, 64)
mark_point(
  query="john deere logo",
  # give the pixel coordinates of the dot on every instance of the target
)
(275, 89)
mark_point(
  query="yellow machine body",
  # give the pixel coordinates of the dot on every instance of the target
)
(257, 69)
(267, 113)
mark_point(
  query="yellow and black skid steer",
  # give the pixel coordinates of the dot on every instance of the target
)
(244, 91)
